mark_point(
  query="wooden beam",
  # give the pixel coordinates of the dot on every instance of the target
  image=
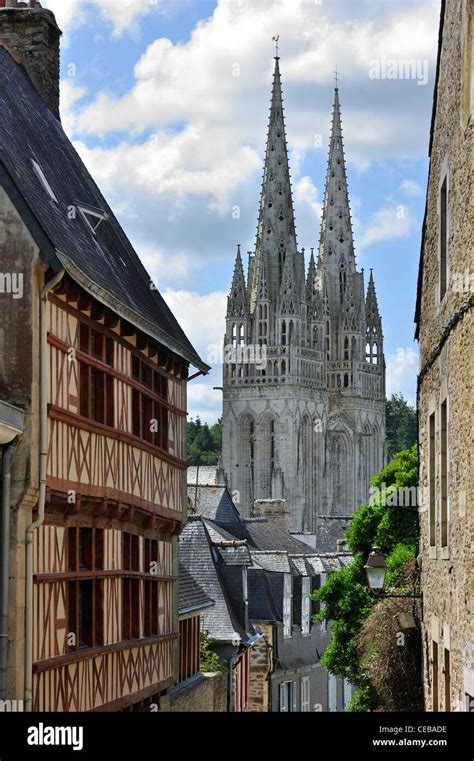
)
(126, 329)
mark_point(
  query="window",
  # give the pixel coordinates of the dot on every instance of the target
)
(149, 416)
(151, 589)
(189, 647)
(443, 238)
(44, 182)
(435, 678)
(287, 697)
(305, 605)
(85, 547)
(93, 217)
(96, 388)
(444, 474)
(287, 604)
(305, 694)
(131, 587)
(447, 681)
(432, 480)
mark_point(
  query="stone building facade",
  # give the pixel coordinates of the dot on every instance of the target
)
(304, 369)
(445, 332)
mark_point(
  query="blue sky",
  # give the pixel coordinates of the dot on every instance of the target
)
(167, 103)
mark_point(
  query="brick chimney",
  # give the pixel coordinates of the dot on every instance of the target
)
(31, 33)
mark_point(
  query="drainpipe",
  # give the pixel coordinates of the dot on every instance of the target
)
(8, 454)
(43, 459)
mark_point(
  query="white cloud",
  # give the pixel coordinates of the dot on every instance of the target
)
(203, 320)
(71, 94)
(386, 224)
(402, 372)
(122, 14)
(411, 188)
(201, 317)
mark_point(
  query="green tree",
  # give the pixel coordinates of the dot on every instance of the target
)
(391, 524)
(204, 442)
(401, 425)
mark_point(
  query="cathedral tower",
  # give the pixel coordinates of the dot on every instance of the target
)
(304, 376)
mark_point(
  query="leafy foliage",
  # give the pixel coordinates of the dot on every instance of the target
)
(347, 603)
(209, 659)
(204, 442)
(401, 425)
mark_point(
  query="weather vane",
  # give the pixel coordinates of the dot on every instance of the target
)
(335, 74)
(276, 39)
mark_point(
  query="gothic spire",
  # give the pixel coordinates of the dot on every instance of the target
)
(372, 309)
(237, 300)
(276, 235)
(336, 243)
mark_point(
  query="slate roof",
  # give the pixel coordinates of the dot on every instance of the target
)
(262, 608)
(195, 554)
(191, 597)
(104, 264)
(213, 502)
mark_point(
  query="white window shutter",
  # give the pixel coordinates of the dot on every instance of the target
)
(324, 624)
(283, 698)
(294, 696)
(287, 604)
(306, 605)
(305, 694)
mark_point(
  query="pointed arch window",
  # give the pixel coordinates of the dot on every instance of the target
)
(234, 335)
(346, 348)
(342, 282)
(375, 358)
(283, 333)
(353, 347)
(241, 334)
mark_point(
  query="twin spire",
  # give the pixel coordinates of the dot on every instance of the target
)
(276, 269)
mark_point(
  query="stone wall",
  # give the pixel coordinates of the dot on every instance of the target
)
(446, 361)
(33, 35)
(19, 373)
(202, 692)
(260, 668)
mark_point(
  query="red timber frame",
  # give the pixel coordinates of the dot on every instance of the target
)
(104, 584)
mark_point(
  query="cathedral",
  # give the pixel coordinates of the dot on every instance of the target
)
(304, 380)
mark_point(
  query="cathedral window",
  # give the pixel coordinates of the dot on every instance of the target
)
(346, 380)
(234, 335)
(353, 347)
(283, 333)
(283, 367)
(374, 354)
(367, 353)
(346, 348)
(241, 335)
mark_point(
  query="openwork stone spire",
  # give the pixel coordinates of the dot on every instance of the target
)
(336, 242)
(276, 236)
(237, 299)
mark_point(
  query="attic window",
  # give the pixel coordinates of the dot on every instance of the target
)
(92, 216)
(42, 178)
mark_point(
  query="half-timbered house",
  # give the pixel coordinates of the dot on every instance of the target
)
(97, 363)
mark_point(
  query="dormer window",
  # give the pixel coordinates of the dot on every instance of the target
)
(44, 182)
(92, 216)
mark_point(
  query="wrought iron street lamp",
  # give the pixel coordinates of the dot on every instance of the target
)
(376, 570)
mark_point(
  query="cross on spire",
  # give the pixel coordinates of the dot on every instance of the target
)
(335, 75)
